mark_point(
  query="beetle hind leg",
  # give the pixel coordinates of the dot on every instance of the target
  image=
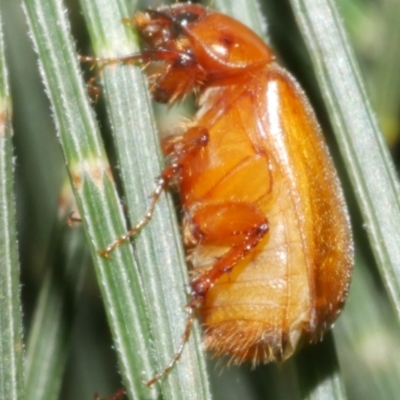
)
(242, 224)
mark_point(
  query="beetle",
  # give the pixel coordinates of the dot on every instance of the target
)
(265, 223)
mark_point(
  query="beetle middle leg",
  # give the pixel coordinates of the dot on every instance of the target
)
(177, 152)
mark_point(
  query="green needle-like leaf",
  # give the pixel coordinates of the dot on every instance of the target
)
(11, 347)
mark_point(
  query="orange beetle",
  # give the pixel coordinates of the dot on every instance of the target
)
(265, 222)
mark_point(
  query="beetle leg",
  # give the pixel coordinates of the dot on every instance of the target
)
(244, 223)
(192, 141)
(171, 82)
(145, 219)
(72, 218)
(179, 148)
(118, 395)
(178, 353)
(140, 57)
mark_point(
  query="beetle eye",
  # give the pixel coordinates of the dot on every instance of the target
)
(185, 18)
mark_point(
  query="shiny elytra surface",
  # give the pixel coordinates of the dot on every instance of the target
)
(265, 164)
